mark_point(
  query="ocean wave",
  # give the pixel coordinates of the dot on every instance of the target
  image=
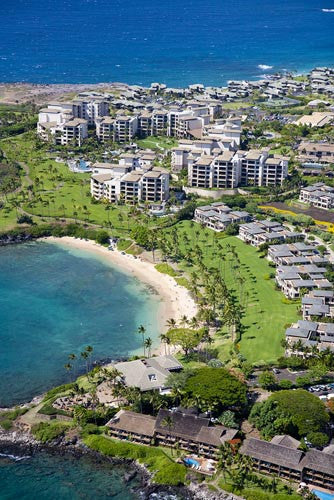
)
(264, 66)
(327, 10)
(14, 457)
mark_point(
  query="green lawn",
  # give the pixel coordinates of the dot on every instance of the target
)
(59, 193)
(157, 143)
(266, 315)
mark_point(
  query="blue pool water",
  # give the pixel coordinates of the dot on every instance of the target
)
(55, 301)
(176, 41)
(322, 495)
(191, 461)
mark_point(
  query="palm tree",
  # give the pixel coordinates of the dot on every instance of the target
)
(142, 330)
(184, 320)
(72, 357)
(171, 323)
(148, 346)
(68, 367)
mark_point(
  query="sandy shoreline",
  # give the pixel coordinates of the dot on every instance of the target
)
(175, 299)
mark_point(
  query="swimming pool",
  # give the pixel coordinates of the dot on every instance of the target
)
(191, 461)
(322, 495)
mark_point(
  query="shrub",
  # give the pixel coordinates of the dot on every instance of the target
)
(58, 390)
(46, 432)
(285, 384)
(318, 439)
(24, 219)
(6, 424)
(166, 269)
(102, 237)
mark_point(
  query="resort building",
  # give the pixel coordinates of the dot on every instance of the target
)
(318, 304)
(316, 152)
(67, 122)
(298, 253)
(294, 279)
(187, 431)
(230, 170)
(57, 123)
(311, 333)
(280, 457)
(318, 195)
(316, 119)
(148, 373)
(123, 183)
(266, 231)
(219, 216)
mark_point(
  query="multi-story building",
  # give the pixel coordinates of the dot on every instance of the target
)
(318, 152)
(90, 108)
(298, 253)
(105, 129)
(57, 123)
(318, 195)
(129, 183)
(125, 128)
(281, 457)
(189, 432)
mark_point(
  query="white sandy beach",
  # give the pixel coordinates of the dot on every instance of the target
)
(175, 299)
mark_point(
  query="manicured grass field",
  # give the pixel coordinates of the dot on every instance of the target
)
(59, 193)
(158, 143)
(266, 315)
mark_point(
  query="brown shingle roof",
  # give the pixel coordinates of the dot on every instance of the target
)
(273, 453)
(319, 461)
(133, 422)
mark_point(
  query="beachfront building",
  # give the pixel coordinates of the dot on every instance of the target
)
(298, 253)
(281, 457)
(188, 431)
(90, 108)
(318, 195)
(311, 333)
(293, 280)
(219, 216)
(122, 183)
(267, 231)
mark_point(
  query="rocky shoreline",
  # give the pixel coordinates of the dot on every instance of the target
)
(17, 446)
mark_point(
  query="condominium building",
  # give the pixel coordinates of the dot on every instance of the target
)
(131, 185)
(318, 195)
(125, 128)
(57, 123)
(316, 152)
(90, 108)
(229, 170)
(298, 253)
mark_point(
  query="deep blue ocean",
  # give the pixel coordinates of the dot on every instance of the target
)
(55, 301)
(174, 41)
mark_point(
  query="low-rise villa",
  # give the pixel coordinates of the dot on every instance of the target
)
(280, 457)
(266, 231)
(311, 333)
(318, 195)
(318, 304)
(187, 431)
(219, 216)
(294, 279)
(295, 254)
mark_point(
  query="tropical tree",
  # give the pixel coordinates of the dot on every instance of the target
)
(148, 345)
(142, 330)
(169, 423)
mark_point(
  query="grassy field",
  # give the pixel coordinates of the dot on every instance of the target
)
(58, 193)
(266, 315)
(158, 143)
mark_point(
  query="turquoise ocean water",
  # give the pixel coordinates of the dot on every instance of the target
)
(55, 301)
(175, 41)
(50, 477)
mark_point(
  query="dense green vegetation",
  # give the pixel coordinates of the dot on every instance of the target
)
(216, 388)
(46, 432)
(298, 413)
(164, 469)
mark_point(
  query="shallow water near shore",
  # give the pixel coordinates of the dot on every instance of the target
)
(55, 301)
(46, 476)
